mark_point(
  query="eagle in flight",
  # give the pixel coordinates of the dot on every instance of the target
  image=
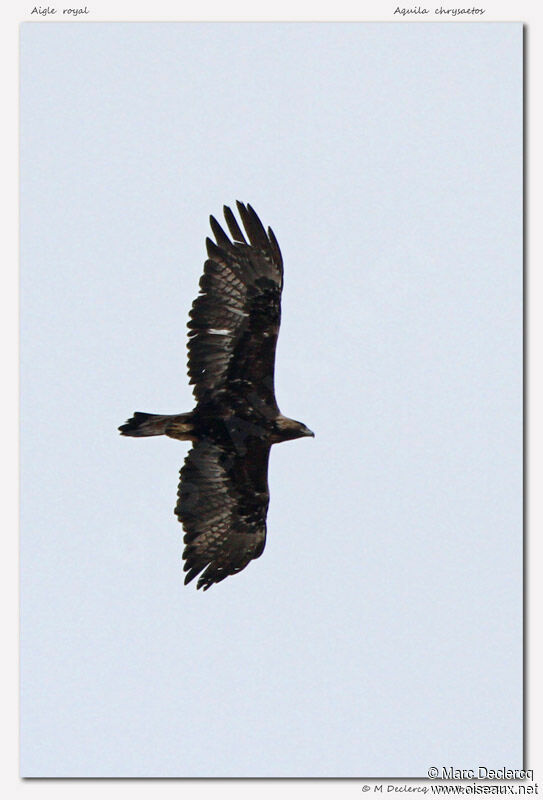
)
(223, 494)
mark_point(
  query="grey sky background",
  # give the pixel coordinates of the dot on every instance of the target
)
(381, 631)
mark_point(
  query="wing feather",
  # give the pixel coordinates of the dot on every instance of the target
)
(221, 237)
(222, 503)
(233, 226)
(234, 321)
(253, 226)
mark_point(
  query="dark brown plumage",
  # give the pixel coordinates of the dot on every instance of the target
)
(223, 493)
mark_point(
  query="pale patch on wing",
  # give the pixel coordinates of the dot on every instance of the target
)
(236, 311)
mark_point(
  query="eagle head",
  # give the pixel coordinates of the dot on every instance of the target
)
(287, 428)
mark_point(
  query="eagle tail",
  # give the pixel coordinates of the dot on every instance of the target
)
(141, 424)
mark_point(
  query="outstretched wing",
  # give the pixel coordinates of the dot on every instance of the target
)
(234, 322)
(222, 502)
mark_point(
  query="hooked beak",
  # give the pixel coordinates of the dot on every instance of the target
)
(307, 432)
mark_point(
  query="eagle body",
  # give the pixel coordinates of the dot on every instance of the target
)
(223, 494)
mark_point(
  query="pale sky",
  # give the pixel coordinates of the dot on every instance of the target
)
(381, 631)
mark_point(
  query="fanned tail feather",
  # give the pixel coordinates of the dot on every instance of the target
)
(142, 424)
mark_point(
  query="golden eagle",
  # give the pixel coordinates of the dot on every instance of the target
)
(223, 493)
